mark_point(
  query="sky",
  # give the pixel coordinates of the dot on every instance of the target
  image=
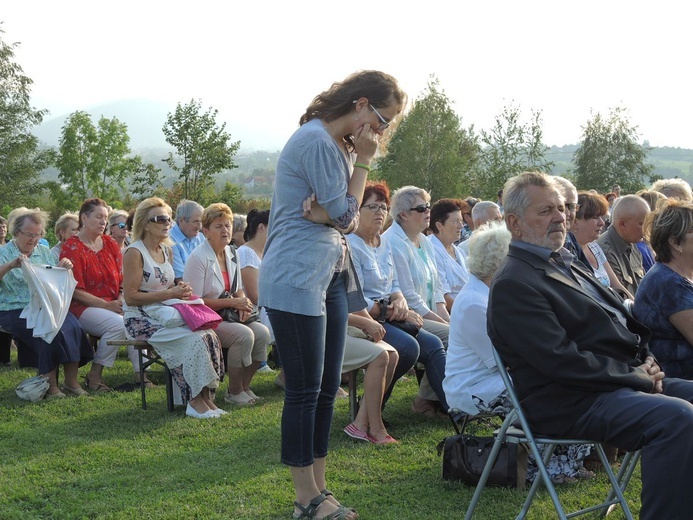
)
(260, 63)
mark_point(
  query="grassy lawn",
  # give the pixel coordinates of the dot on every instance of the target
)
(102, 456)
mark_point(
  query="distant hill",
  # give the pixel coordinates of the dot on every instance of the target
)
(145, 119)
(258, 153)
(668, 161)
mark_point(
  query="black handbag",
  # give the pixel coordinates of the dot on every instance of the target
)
(232, 315)
(465, 456)
(406, 326)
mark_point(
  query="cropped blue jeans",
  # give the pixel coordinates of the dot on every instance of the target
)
(312, 350)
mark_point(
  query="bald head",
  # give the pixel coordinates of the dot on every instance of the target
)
(485, 211)
(628, 217)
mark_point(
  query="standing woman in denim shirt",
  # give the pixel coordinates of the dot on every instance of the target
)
(319, 185)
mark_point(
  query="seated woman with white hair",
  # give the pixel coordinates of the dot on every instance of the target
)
(70, 347)
(417, 274)
(472, 381)
(66, 227)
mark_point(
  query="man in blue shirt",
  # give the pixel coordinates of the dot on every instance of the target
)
(185, 234)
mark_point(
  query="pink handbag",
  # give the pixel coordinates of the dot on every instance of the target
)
(198, 316)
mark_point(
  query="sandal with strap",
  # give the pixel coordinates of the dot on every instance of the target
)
(311, 510)
(329, 493)
(100, 387)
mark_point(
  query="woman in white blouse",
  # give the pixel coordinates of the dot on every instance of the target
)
(446, 224)
(417, 274)
(212, 269)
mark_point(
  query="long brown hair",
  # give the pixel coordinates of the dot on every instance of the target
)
(379, 88)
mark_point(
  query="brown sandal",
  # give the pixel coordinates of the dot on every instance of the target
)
(100, 387)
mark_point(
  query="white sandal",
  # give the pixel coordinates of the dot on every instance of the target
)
(241, 399)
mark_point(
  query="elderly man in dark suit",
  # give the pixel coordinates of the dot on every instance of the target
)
(578, 359)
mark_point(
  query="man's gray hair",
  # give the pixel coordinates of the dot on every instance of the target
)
(674, 188)
(515, 199)
(564, 184)
(629, 206)
(404, 198)
(481, 209)
(239, 222)
(186, 208)
(488, 247)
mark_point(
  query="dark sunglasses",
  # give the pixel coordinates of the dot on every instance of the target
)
(160, 219)
(121, 225)
(421, 208)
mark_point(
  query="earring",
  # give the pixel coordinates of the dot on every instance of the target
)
(680, 251)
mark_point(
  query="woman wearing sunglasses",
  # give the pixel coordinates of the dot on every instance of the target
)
(303, 280)
(98, 269)
(118, 228)
(194, 357)
(417, 273)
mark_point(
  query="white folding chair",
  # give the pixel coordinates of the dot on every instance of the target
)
(508, 433)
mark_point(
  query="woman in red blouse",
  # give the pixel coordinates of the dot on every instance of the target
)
(97, 303)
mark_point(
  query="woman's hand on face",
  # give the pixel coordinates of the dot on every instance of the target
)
(182, 291)
(375, 330)
(366, 143)
(314, 212)
(66, 263)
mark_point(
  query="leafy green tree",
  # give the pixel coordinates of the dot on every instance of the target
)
(94, 161)
(430, 148)
(201, 144)
(609, 153)
(21, 157)
(510, 147)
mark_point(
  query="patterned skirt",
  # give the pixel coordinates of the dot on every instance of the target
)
(194, 357)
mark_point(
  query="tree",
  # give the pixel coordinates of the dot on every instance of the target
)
(430, 149)
(94, 161)
(21, 157)
(509, 148)
(609, 154)
(203, 146)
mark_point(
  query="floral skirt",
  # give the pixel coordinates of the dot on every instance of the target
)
(194, 357)
(567, 460)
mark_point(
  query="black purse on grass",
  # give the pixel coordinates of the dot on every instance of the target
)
(465, 456)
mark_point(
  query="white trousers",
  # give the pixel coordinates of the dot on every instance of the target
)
(107, 325)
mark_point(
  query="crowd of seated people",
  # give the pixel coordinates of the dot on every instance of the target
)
(405, 276)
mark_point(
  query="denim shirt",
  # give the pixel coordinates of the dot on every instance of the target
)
(375, 269)
(300, 256)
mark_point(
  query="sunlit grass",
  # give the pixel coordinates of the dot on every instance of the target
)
(102, 456)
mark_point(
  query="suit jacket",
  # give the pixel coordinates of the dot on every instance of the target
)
(625, 259)
(561, 346)
(203, 273)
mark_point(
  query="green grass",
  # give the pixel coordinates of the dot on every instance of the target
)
(103, 457)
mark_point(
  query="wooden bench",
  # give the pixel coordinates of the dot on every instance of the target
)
(148, 356)
(353, 384)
